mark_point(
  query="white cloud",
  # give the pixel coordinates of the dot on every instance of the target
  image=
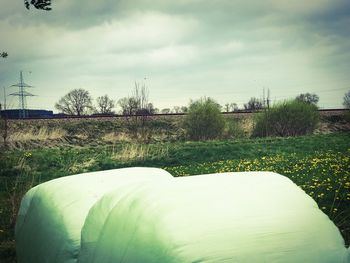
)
(172, 55)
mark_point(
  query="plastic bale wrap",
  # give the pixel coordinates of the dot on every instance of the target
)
(232, 217)
(51, 216)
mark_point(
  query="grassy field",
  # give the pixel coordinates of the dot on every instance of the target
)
(319, 164)
(30, 134)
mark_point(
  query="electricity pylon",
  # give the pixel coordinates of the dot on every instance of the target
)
(22, 94)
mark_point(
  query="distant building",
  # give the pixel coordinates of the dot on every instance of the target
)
(16, 113)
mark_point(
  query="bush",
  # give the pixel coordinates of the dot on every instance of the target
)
(290, 118)
(234, 129)
(204, 120)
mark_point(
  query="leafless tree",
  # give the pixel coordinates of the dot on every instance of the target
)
(253, 104)
(76, 102)
(138, 103)
(140, 95)
(227, 107)
(105, 105)
(177, 109)
(137, 110)
(165, 111)
(184, 109)
(129, 106)
(346, 101)
(233, 106)
(308, 98)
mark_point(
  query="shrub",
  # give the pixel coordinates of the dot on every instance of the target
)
(289, 118)
(204, 120)
(234, 129)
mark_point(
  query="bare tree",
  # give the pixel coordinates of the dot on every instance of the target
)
(105, 105)
(176, 109)
(140, 95)
(151, 109)
(346, 101)
(233, 106)
(253, 104)
(227, 107)
(308, 98)
(137, 110)
(184, 109)
(165, 111)
(156, 111)
(76, 102)
(129, 106)
(3, 54)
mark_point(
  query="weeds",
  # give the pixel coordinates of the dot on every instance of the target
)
(4, 130)
(114, 137)
(42, 134)
(136, 152)
(10, 202)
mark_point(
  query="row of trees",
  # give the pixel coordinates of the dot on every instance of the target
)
(79, 102)
(258, 104)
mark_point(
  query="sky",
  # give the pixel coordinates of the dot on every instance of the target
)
(229, 50)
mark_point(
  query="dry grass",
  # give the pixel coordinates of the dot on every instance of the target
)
(34, 138)
(43, 134)
(247, 125)
(82, 167)
(81, 136)
(131, 152)
(114, 137)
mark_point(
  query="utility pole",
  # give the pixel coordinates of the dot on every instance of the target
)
(268, 98)
(22, 94)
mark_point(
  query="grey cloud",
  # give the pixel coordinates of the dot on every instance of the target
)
(183, 42)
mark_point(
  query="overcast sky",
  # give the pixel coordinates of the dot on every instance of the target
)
(185, 49)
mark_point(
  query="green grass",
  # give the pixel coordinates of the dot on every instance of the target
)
(319, 164)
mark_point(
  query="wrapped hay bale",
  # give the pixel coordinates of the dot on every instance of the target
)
(235, 217)
(51, 215)
(231, 217)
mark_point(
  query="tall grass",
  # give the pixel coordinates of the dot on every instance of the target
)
(137, 152)
(10, 199)
(114, 137)
(44, 133)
